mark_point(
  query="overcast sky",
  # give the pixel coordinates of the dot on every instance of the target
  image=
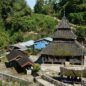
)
(31, 3)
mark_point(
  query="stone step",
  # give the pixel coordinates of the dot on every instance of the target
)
(44, 82)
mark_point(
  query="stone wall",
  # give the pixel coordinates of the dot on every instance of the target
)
(85, 61)
(8, 78)
(53, 81)
(39, 84)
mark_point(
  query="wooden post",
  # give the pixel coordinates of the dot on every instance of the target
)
(82, 64)
(52, 60)
(43, 60)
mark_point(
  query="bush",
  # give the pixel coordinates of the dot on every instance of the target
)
(4, 38)
(36, 68)
(35, 22)
(16, 37)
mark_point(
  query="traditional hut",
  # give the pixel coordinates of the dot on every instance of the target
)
(64, 47)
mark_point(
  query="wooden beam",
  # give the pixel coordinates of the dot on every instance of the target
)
(43, 60)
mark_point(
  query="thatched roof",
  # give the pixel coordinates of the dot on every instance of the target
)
(15, 53)
(64, 24)
(64, 30)
(63, 48)
(64, 34)
(24, 61)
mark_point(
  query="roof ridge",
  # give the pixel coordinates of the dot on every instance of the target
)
(64, 23)
(80, 46)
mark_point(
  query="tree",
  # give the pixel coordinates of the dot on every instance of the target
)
(39, 6)
(73, 9)
(48, 9)
(46, 6)
(13, 8)
(16, 37)
(81, 33)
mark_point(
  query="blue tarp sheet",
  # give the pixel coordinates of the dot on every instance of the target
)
(40, 44)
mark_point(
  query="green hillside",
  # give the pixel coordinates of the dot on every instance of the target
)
(19, 23)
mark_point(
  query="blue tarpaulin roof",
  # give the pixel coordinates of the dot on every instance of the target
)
(40, 44)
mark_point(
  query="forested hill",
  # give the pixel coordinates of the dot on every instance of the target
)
(75, 10)
(18, 22)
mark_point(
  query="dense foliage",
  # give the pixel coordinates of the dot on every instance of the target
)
(9, 10)
(36, 68)
(75, 10)
(47, 7)
(81, 32)
(18, 22)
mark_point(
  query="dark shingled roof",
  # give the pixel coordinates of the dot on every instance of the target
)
(64, 24)
(63, 48)
(24, 61)
(66, 34)
(14, 54)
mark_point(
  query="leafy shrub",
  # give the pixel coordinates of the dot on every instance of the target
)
(4, 38)
(36, 68)
(16, 37)
(35, 22)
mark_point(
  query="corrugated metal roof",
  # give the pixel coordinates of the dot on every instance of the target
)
(48, 38)
(23, 45)
(27, 43)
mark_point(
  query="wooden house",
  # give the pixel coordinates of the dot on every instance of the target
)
(64, 47)
(22, 64)
(19, 60)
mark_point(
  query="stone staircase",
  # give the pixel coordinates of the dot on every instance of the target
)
(44, 82)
